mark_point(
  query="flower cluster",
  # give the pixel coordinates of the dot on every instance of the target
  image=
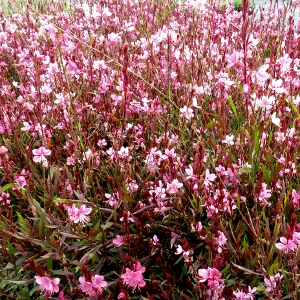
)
(153, 142)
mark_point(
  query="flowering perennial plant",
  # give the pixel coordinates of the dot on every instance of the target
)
(47, 285)
(153, 142)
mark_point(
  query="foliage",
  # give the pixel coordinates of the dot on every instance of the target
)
(149, 150)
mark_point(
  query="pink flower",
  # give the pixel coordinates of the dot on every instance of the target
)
(211, 275)
(26, 127)
(79, 214)
(40, 154)
(284, 63)
(221, 241)
(61, 296)
(179, 250)
(155, 240)
(272, 283)
(228, 140)
(132, 186)
(86, 287)
(264, 195)
(239, 295)
(119, 241)
(102, 143)
(3, 151)
(245, 89)
(261, 74)
(112, 199)
(4, 198)
(127, 216)
(187, 112)
(121, 296)
(199, 90)
(48, 285)
(275, 121)
(134, 278)
(124, 152)
(197, 228)
(98, 283)
(276, 85)
(195, 103)
(265, 102)
(170, 153)
(70, 190)
(209, 178)
(232, 59)
(173, 186)
(286, 246)
(46, 89)
(88, 155)
(190, 173)
(70, 161)
(21, 181)
(99, 65)
(295, 198)
(93, 288)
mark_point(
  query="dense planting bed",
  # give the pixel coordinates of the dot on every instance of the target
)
(149, 150)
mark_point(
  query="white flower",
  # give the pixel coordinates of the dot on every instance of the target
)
(228, 140)
(187, 112)
(275, 121)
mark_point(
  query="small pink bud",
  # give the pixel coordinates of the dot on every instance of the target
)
(245, 89)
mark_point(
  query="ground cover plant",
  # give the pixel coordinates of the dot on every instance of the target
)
(149, 150)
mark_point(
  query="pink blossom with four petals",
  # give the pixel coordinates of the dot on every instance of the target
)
(134, 278)
(212, 276)
(79, 214)
(94, 287)
(209, 178)
(47, 285)
(40, 154)
(118, 241)
(286, 245)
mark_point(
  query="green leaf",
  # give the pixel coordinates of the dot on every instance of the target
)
(51, 171)
(80, 197)
(266, 176)
(21, 219)
(70, 177)
(11, 249)
(70, 235)
(38, 206)
(232, 105)
(23, 224)
(225, 270)
(193, 205)
(21, 281)
(80, 138)
(246, 170)
(179, 259)
(49, 263)
(113, 260)
(60, 200)
(256, 134)
(6, 187)
(60, 272)
(184, 271)
(107, 225)
(246, 249)
(294, 108)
